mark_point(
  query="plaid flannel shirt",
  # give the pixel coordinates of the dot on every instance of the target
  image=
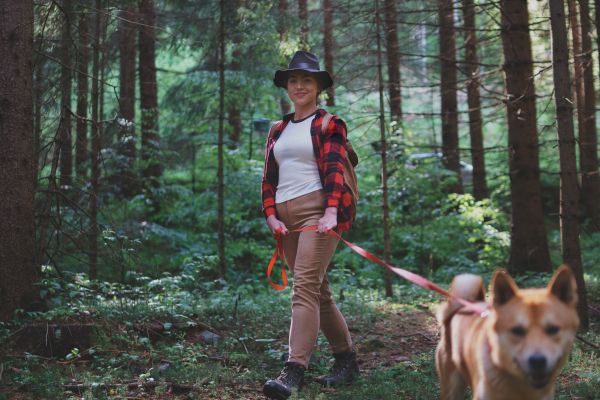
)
(330, 152)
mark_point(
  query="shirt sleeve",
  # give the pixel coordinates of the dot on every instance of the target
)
(267, 193)
(334, 153)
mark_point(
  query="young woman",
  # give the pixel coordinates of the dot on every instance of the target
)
(303, 186)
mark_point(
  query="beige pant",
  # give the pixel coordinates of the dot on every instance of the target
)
(308, 254)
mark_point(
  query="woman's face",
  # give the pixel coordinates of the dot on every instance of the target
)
(302, 88)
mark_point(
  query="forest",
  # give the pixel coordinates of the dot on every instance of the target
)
(134, 251)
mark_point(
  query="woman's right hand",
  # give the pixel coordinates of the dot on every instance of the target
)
(274, 225)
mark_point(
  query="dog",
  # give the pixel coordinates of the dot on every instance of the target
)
(517, 350)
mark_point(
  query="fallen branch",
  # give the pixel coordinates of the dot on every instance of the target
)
(132, 385)
(594, 309)
(360, 339)
(588, 342)
(177, 325)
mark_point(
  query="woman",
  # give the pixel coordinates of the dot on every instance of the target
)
(303, 186)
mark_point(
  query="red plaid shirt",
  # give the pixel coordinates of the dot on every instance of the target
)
(330, 152)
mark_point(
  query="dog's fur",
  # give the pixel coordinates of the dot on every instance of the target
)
(515, 352)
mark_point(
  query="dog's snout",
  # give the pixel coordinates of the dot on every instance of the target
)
(537, 362)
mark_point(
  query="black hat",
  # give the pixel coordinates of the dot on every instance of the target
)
(305, 61)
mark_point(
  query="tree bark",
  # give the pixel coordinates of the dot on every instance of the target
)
(235, 122)
(220, 176)
(148, 93)
(95, 137)
(393, 59)
(81, 142)
(328, 46)
(588, 145)
(529, 244)
(480, 190)
(303, 15)
(384, 177)
(66, 155)
(39, 70)
(283, 37)
(448, 92)
(18, 269)
(127, 138)
(569, 225)
(577, 67)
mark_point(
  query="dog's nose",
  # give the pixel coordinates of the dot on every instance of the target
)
(537, 362)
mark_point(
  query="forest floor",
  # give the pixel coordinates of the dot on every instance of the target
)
(395, 345)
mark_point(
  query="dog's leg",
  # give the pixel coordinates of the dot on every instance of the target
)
(453, 385)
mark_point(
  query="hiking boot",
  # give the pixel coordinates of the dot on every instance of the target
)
(280, 388)
(344, 371)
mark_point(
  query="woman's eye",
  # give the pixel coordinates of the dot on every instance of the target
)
(518, 331)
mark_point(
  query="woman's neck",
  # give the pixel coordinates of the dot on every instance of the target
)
(303, 112)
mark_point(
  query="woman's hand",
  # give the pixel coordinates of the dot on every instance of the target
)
(274, 225)
(329, 220)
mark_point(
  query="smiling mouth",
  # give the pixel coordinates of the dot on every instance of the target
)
(538, 381)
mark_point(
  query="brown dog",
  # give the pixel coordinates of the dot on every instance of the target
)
(515, 352)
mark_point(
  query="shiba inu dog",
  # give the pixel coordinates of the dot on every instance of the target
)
(517, 350)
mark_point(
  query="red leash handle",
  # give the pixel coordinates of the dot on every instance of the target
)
(279, 250)
(478, 308)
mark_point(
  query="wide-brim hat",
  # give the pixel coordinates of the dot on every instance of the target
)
(305, 61)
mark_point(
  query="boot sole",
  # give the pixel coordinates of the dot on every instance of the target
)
(272, 393)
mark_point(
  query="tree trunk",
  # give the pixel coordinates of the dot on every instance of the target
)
(39, 70)
(220, 177)
(18, 269)
(480, 190)
(82, 102)
(66, 155)
(283, 37)
(235, 122)
(95, 137)
(393, 59)
(529, 244)
(588, 144)
(127, 138)
(569, 225)
(328, 46)
(303, 15)
(384, 177)
(577, 67)
(148, 93)
(448, 91)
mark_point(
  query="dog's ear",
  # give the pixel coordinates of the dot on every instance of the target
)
(503, 287)
(563, 285)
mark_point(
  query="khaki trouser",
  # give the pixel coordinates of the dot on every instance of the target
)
(308, 254)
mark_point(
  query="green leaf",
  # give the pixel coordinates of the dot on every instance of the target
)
(168, 325)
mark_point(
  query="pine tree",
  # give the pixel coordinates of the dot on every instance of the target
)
(448, 89)
(18, 268)
(528, 243)
(569, 225)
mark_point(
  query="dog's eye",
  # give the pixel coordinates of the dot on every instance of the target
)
(552, 330)
(518, 331)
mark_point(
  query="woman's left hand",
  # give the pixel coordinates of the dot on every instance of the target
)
(329, 220)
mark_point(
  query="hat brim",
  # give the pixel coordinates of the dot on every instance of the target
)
(323, 78)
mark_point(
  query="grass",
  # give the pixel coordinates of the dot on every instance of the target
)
(253, 329)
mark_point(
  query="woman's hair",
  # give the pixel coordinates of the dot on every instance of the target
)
(318, 99)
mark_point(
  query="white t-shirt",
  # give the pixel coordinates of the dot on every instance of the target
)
(298, 170)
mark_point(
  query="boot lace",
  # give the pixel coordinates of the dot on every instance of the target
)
(289, 375)
(340, 367)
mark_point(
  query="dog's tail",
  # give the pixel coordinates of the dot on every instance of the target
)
(466, 286)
